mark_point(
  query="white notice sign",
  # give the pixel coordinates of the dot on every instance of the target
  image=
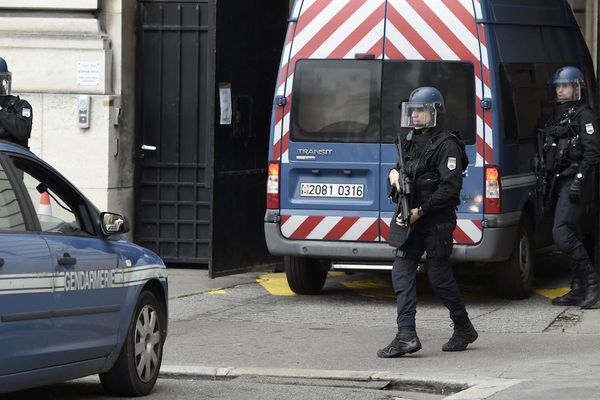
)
(225, 103)
(88, 73)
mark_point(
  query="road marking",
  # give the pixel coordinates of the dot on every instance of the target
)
(276, 284)
(217, 291)
(370, 288)
(552, 293)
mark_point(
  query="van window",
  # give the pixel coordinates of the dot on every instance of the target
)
(336, 101)
(456, 82)
(524, 89)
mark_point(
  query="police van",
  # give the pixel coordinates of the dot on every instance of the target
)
(345, 69)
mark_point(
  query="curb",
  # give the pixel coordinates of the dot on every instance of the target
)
(463, 388)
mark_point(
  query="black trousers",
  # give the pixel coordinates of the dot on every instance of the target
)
(436, 240)
(567, 231)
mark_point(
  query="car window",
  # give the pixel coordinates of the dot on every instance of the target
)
(57, 206)
(11, 217)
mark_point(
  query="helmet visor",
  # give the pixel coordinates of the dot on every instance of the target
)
(564, 91)
(5, 80)
(418, 115)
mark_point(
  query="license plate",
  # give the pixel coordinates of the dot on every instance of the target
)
(352, 191)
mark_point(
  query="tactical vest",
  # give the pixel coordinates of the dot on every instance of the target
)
(420, 164)
(563, 144)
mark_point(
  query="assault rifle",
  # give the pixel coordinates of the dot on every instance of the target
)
(399, 234)
(553, 142)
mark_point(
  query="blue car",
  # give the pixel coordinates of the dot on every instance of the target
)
(76, 298)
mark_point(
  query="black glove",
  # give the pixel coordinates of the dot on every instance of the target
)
(575, 190)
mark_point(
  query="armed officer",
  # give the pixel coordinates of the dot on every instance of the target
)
(15, 114)
(572, 151)
(435, 160)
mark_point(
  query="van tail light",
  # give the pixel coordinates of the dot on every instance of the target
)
(493, 191)
(273, 185)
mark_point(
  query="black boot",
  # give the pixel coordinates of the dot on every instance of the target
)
(574, 296)
(406, 341)
(464, 334)
(592, 286)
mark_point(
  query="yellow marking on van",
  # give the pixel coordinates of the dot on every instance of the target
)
(370, 288)
(276, 284)
(552, 293)
(217, 291)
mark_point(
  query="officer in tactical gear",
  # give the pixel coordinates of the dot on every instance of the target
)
(571, 145)
(435, 159)
(15, 114)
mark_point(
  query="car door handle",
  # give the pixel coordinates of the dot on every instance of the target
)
(67, 260)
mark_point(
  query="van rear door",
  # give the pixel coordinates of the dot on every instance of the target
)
(438, 46)
(330, 122)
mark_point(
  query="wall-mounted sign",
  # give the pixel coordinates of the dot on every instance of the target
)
(225, 102)
(88, 73)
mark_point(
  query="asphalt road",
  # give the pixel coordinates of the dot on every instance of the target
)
(249, 337)
(240, 388)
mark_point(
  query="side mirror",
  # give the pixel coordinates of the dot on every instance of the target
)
(112, 223)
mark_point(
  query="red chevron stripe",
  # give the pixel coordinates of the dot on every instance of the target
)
(371, 234)
(325, 33)
(359, 33)
(461, 237)
(446, 34)
(384, 230)
(392, 51)
(377, 49)
(284, 219)
(489, 154)
(416, 40)
(340, 228)
(306, 227)
(284, 63)
(467, 19)
(307, 16)
(480, 145)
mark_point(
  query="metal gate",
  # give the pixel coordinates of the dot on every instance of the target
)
(174, 122)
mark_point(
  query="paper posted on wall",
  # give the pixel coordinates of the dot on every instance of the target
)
(225, 103)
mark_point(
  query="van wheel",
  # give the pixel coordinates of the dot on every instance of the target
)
(136, 369)
(305, 275)
(514, 276)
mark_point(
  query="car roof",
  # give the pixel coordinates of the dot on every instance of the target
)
(15, 148)
(9, 147)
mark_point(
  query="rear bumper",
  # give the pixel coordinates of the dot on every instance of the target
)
(496, 245)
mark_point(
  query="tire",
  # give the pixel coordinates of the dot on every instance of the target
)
(514, 277)
(305, 275)
(146, 331)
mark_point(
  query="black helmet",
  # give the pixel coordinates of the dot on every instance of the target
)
(422, 108)
(5, 78)
(567, 84)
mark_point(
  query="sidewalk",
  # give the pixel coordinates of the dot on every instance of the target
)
(248, 332)
(190, 281)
